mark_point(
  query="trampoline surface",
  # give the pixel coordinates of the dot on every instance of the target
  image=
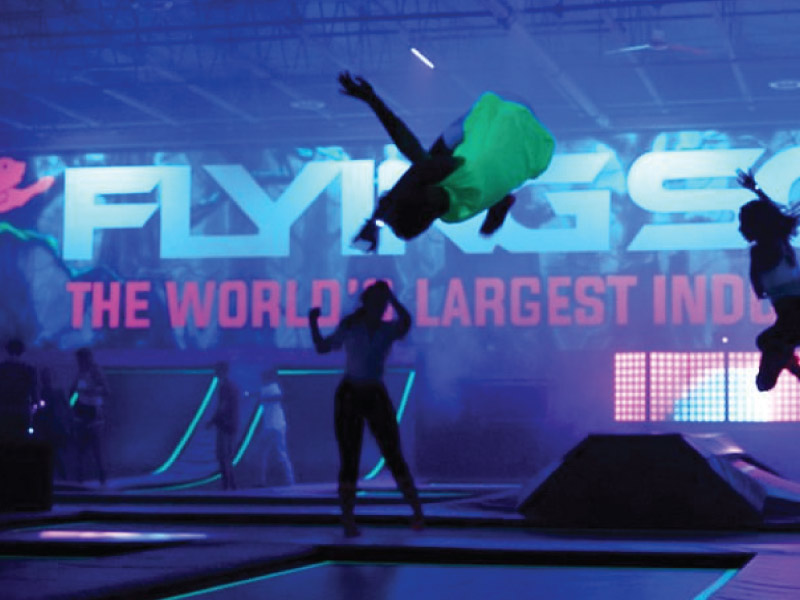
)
(330, 580)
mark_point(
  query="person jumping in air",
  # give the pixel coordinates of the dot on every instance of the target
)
(774, 274)
(362, 396)
(473, 166)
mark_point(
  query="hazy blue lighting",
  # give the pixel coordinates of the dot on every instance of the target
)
(422, 57)
(190, 430)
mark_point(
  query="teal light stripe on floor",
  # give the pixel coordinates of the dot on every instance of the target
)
(233, 584)
(725, 578)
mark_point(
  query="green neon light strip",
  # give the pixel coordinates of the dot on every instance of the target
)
(412, 374)
(27, 235)
(73, 399)
(226, 586)
(310, 371)
(251, 430)
(249, 436)
(252, 427)
(189, 485)
(190, 430)
(710, 590)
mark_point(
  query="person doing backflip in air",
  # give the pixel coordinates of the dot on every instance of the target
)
(473, 166)
(362, 396)
(774, 274)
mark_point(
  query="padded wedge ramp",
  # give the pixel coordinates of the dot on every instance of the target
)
(645, 481)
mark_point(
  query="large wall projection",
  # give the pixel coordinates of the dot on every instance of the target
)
(625, 245)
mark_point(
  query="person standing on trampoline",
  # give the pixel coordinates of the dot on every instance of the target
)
(774, 274)
(88, 411)
(362, 396)
(473, 166)
(226, 421)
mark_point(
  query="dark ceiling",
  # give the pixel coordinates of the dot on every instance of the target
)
(93, 75)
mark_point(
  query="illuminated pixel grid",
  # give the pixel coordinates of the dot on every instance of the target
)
(782, 403)
(699, 387)
(687, 386)
(630, 386)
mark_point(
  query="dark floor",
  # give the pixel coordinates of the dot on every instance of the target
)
(287, 543)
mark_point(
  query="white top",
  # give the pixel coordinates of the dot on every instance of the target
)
(271, 395)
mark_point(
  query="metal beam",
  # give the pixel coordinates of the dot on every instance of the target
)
(405, 35)
(125, 99)
(616, 31)
(138, 105)
(204, 93)
(52, 105)
(506, 16)
(738, 74)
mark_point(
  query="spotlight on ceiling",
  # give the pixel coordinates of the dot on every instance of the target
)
(422, 58)
(785, 85)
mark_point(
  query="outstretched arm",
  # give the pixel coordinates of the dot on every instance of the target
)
(748, 182)
(401, 135)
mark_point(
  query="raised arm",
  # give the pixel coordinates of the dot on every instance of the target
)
(401, 135)
(748, 182)
(322, 344)
(403, 316)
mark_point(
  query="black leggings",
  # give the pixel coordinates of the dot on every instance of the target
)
(88, 423)
(777, 343)
(356, 403)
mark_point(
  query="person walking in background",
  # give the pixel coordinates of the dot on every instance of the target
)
(226, 420)
(362, 396)
(92, 392)
(274, 429)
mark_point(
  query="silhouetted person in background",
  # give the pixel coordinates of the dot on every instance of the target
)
(225, 419)
(473, 166)
(88, 411)
(774, 274)
(51, 420)
(18, 392)
(362, 396)
(274, 429)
